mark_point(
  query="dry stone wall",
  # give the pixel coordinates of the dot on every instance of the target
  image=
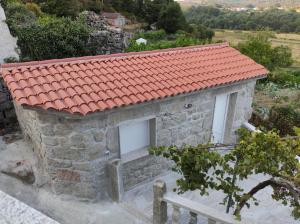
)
(104, 39)
(74, 150)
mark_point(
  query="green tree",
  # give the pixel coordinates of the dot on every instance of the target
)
(203, 33)
(202, 168)
(259, 48)
(273, 19)
(171, 18)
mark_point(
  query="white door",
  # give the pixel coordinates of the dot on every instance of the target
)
(134, 136)
(220, 117)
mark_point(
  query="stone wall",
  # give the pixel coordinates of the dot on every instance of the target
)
(142, 170)
(75, 150)
(8, 119)
(104, 39)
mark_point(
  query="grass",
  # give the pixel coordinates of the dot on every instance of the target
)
(287, 39)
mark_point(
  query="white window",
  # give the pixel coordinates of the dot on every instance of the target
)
(134, 136)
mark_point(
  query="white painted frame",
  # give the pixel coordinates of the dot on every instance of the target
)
(220, 117)
(138, 153)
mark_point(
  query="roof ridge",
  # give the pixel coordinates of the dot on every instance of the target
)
(111, 56)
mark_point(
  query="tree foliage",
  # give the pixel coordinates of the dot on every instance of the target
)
(281, 118)
(202, 168)
(18, 16)
(259, 48)
(54, 38)
(274, 19)
(286, 78)
(171, 18)
(62, 7)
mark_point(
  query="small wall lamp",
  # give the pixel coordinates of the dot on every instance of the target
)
(188, 105)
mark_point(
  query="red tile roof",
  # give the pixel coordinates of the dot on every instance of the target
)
(97, 83)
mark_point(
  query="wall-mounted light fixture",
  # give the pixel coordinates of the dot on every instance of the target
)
(188, 105)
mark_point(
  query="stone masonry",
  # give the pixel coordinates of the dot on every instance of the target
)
(74, 150)
(104, 39)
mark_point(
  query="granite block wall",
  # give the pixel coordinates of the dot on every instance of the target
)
(74, 150)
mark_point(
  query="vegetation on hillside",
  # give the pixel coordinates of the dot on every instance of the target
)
(161, 40)
(52, 37)
(166, 14)
(54, 28)
(278, 60)
(259, 48)
(274, 19)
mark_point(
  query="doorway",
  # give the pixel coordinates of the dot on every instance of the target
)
(220, 118)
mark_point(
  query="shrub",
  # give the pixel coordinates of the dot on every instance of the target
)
(34, 8)
(153, 35)
(18, 17)
(54, 37)
(286, 78)
(10, 60)
(70, 8)
(203, 33)
(180, 41)
(259, 48)
(5, 3)
(284, 119)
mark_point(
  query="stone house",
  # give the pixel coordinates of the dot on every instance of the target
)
(92, 119)
(114, 19)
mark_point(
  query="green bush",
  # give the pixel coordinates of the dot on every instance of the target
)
(34, 8)
(282, 118)
(259, 48)
(152, 35)
(69, 8)
(10, 60)
(203, 33)
(164, 44)
(286, 78)
(18, 17)
(91, 5)
(5, 3)
(53, 37)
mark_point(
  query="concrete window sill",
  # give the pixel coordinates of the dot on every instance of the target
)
(137, 154)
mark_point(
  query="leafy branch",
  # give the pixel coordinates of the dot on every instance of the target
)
(203, 168)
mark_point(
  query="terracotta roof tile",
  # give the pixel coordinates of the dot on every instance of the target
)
(96, 83)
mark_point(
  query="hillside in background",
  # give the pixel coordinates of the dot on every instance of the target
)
(273, 19)
(243, 3)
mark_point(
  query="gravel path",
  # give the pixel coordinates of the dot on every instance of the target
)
(8, 43)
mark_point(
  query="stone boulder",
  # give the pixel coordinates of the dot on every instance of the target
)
(20, 169)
